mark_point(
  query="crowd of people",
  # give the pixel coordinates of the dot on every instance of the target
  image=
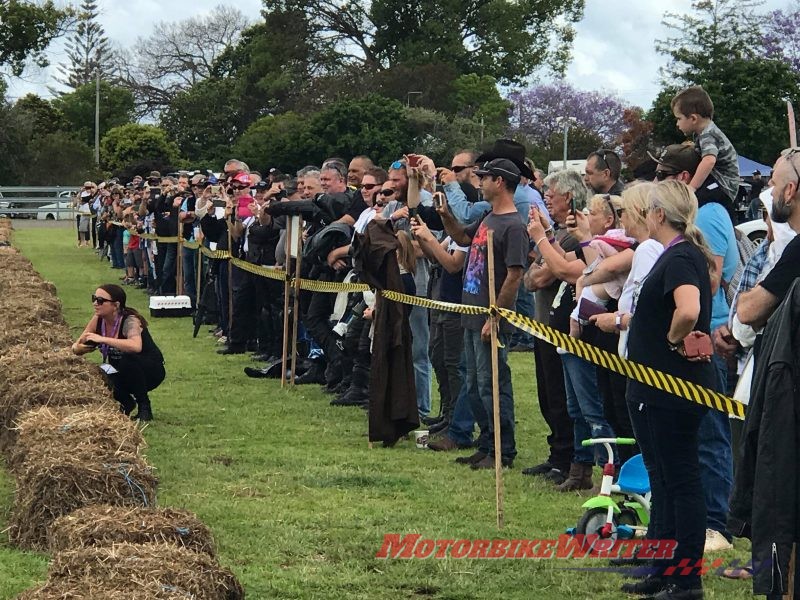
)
(652, 269)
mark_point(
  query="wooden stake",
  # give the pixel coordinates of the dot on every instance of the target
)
(792, 567)
(296, 308)
(286, 289)
(498, 463)
(179, 262)
(199, 276)
(792, 126)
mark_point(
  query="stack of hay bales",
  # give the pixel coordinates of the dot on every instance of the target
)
(84, 490)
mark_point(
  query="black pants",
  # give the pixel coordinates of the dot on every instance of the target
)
(93, 229)
(243, 322)
(135, 377)
(553, 403)
(446, 346)
(165, 267)
(317, 320)
(670, 452)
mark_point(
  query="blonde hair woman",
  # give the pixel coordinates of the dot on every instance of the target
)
(674, 303)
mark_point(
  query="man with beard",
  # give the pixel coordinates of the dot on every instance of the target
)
(602, 172)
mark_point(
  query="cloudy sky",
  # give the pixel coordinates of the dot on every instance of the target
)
(613, 50)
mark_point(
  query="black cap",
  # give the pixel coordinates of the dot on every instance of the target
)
(261, 185)
(500, 167)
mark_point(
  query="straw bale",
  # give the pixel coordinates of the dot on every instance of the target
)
(33, 375)
(49, 487)
(92, 589)
(53, 430)
(109, 525)
(128, 565)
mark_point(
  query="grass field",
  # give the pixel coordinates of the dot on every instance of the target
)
(297, 502)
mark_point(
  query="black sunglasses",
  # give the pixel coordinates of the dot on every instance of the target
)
(369, 186)
(602, 153)
(99, 300)
(459, 168)
(387, 193)
(788, 154)
(662, 175)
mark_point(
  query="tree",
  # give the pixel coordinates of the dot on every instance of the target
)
(78, 107)
(57, 158)
(476, 97)
(41, 114)
(637, 138)
(275, 141)
(718, 47)
(439, 135)
(581, 142)
(88, 51)
(177, 56)
(535, 113)
(502, 39)
(26, 30)
(374, 126)
(132, 143)
(780, 40)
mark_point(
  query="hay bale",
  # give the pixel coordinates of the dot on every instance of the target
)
(54, 485)
(109, 525)
(54, 430)
(90, 589)
(127, 566)
(32, 376)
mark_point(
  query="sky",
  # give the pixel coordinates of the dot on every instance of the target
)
(614, 49)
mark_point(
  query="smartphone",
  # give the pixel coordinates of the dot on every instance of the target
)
(572, 208)
(217, 203)
(438, 200)
(215, 190)
(413, 160)
(695, 345)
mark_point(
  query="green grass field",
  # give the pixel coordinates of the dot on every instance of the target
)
(297, 502)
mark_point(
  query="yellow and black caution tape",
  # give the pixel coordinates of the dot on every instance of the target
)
(613, 362)
(427, 303)
(632, 370)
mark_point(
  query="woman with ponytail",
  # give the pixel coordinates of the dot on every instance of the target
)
(674, 302)
(135, 364)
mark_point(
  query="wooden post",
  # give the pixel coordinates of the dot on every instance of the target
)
(792, 126)
(286, 290)
(296, 308)
(198, 275)
(498, 464)
(179, 261)
(792, 567)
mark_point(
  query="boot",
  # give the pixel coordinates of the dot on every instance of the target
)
(358, 392)
(145, 412)
(314, 374)
(579, 478)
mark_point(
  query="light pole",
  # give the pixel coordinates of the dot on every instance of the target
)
(565, 122)
(408, 98)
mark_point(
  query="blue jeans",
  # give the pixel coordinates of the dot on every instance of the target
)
(716, 457)
(525, 307)
(190, 273)
(585, 406)
(462, 423)
(478, 382)
(420, 340)
(117, 253)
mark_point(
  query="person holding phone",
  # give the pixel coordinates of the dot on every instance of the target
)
(669, 331)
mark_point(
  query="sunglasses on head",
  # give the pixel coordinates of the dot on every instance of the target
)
(662, 175)
(387, 193)
(398, 164)
(98, 300)
(788, 154)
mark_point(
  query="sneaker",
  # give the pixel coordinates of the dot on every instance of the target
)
(488, 463)
(222, 340)
(716, 542)
(471, 459)
(540, 469)
(555, 476)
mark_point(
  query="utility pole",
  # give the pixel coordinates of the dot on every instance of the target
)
(97, 113)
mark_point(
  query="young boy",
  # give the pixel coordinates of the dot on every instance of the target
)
(717, 176)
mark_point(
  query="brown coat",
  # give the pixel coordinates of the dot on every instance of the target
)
(392, 394)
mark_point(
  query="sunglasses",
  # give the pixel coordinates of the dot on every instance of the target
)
(603, 153)
(99, 300)
(369, 186)
(387, 193)
(398, 164)
(614, 211)
(662, 175)
(239, 188)
(459, 168)
(788, 154)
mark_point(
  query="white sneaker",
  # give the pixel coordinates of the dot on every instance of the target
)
(222, 340)
(716, 542)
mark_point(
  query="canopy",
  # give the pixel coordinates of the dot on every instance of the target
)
(747, 166)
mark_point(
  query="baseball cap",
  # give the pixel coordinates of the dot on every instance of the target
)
(261, 185)
(678, 158)
(242, 178)
(198, 180)
(500, 167)
(154, 175)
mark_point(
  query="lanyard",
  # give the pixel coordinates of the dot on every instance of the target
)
(104, 348)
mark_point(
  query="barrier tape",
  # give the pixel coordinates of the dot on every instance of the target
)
(608, 360)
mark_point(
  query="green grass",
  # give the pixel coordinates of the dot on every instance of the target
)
(297, 502)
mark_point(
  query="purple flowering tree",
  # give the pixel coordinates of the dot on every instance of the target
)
(535, 112)
(780, 38)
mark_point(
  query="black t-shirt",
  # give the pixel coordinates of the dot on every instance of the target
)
(357, 206)
(191, 203)
(510, 250)
(682, 264)
(786, 270)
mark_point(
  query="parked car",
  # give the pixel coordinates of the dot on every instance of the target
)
(57, 211)
(756, 230)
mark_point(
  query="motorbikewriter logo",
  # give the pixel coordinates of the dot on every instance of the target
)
(413, 545)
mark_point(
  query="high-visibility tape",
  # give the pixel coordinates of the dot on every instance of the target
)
(630, 369)
(602, 358)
